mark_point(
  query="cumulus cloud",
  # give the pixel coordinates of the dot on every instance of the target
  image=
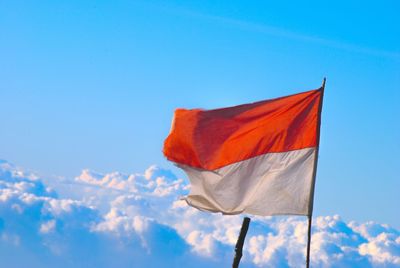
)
(133, 220)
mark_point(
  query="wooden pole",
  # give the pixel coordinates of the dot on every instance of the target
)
(310, 209)
(240, 242)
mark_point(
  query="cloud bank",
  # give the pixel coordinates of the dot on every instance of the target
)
(137, 220)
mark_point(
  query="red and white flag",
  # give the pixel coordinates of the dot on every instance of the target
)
(257, 158)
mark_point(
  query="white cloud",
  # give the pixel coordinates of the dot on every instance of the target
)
(47, 227)
(117, 220)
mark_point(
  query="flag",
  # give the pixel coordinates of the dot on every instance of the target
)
(257, 158)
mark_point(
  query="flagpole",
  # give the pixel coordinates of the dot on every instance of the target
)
(308, 241)
(314, 175)
(240, 242)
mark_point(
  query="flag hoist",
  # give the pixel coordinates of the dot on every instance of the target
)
(258, 158)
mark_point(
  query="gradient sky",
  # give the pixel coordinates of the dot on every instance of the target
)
(93, 84)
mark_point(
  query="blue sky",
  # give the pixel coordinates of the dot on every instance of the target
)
(94, 84)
